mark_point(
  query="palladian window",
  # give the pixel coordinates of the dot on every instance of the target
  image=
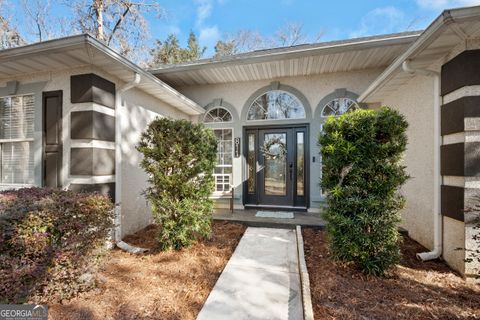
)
(338, 107)
(276, 105)
(218, 115)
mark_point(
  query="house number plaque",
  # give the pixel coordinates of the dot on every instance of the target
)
(236, 143)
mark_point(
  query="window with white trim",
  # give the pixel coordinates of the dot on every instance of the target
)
(276, 105)
(218, 115)
(224, 165)
(16, 139)
(339, 106)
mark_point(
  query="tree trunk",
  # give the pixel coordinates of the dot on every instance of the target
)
(99, 7)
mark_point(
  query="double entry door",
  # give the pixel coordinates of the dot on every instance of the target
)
(277, 168)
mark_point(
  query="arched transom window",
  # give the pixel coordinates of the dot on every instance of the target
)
(339, 106)
(218, 115)
(276, 105)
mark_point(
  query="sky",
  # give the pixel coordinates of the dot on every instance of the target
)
(341, 19)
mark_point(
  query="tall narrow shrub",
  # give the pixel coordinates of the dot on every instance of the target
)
(362, 172)
(179, 158)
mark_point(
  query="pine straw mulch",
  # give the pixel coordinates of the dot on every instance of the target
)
(414, 290)
(155, 285)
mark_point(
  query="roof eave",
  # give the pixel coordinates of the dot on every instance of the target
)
(294, 53)
(196, 109)
(427, 37)
(83, 41)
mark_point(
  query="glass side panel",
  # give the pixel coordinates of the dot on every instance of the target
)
(274, 152)
(300, 163)
(251, 163)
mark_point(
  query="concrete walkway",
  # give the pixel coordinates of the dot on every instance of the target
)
(261, 280)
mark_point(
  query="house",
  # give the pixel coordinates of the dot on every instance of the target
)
(72, 111)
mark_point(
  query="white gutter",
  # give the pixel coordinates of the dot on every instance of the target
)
(444, 20)
(118, 152)
(437, 217)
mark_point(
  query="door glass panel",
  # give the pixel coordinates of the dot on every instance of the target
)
(275, 164)
(300, 163)
(251, 163)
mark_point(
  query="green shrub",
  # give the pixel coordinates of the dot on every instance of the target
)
(51, 242)
(362, 153)
(179, 158)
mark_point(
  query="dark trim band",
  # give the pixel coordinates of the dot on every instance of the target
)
(461, 71)
(92, 161)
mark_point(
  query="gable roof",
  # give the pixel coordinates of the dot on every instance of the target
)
(83, 50)
(450, 29)
(334, 56)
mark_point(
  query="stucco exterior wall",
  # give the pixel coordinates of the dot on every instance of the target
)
(454, 243)
(137, 111)
(36, 84)
(313, 88)
(415, 101)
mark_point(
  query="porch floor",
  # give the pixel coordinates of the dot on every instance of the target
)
(247, 217)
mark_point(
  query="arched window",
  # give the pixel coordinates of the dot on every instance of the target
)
(276, 105)
(338, 107)
(218, 115)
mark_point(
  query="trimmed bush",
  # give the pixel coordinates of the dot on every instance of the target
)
(51, 242)
(362, 172)
(179, 158)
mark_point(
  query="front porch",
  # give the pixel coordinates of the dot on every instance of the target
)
(248, 218)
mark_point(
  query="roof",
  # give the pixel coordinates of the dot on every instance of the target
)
(452, 28)
(334, 56)
(83, 50)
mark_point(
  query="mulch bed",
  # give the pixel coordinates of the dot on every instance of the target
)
(155, 285)
(413, 290)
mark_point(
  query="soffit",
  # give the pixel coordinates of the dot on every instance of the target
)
(82, 50)
(340, 56)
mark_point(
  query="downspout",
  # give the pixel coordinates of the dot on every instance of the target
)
(118, 152)
(437, 217)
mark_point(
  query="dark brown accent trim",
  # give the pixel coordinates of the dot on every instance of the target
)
(453, 114)
(52, 144)
(452, 159)
(453, 202)
(92, 161)
(460, 159)
(92, 88)
(103, 188)
(457, 202)
(92, 125)
(461, 71)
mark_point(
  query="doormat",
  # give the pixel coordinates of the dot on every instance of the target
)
(275, 214)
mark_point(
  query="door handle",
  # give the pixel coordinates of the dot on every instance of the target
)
(291, 170)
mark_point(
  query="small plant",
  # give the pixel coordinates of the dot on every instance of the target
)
(362, 172)
(179, 158)
(51, 242)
